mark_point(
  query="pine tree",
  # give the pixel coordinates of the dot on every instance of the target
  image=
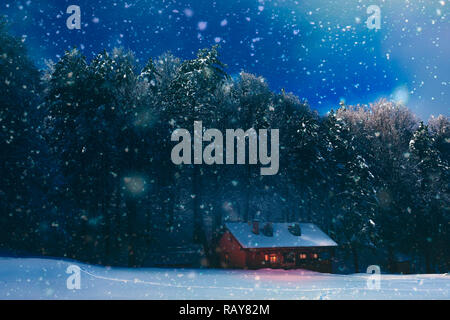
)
(352, 194)
(191, 97)
(432, 176)
(254, 100)
(20, 145)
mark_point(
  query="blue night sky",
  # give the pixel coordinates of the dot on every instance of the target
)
(319, 50)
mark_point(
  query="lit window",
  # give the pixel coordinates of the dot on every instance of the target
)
(272, 258)
(302, 256)
(314, 256)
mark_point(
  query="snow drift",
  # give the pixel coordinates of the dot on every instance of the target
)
(33, 278)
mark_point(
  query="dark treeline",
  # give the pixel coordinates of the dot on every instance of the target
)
(86, 170)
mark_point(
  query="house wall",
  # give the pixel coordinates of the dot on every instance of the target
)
(256, 258)
(231, 253)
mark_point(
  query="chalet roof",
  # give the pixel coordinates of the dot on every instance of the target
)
(311, 236)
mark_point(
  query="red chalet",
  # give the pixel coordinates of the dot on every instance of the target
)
(276, 245)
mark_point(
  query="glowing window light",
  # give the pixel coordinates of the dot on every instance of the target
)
(272, 258)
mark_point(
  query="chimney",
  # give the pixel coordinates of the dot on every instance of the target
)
(295, 229)
(255, 228)
(268, 229)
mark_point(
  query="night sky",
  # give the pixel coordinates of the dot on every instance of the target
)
(319, 50)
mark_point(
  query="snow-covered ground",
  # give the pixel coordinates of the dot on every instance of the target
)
(31, 278)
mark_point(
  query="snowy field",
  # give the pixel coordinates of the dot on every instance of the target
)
(31, 278)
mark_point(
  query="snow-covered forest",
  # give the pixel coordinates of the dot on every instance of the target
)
(86, 171)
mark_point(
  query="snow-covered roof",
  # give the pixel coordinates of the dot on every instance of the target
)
(311, 236)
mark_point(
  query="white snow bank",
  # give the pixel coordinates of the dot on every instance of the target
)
(32, 278)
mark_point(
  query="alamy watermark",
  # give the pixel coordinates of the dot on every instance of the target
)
(213, 153)
(73, 282)
(374, 281)
(374, 20)
(74, 20)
